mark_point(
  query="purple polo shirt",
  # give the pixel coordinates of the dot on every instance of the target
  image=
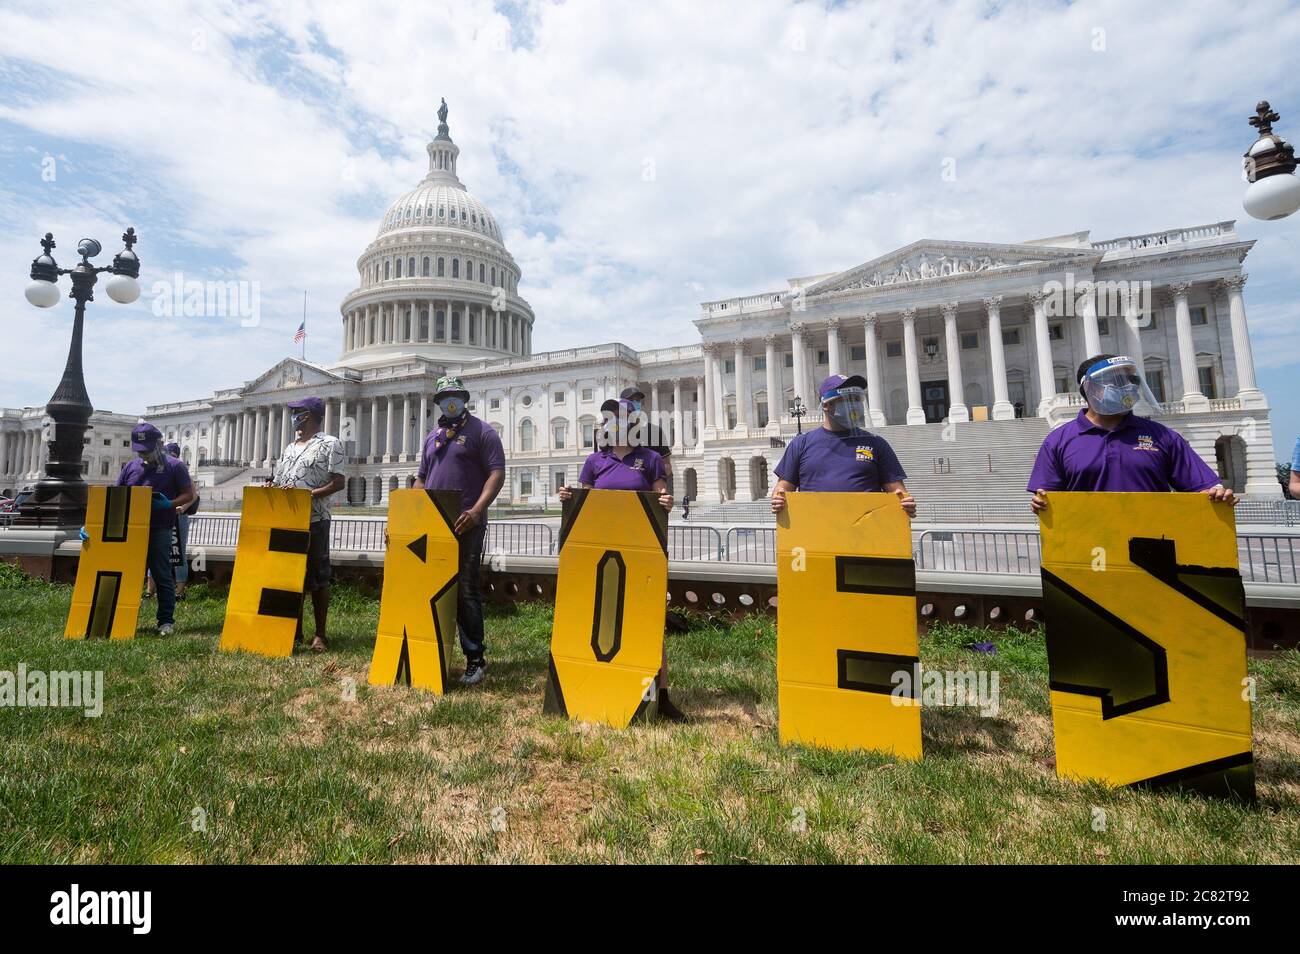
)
(171, 478)
(1138, 456)
(464, 463)
(637, 471)
(828, 461)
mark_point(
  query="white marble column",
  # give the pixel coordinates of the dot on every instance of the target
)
(700, 404)
(374, 428)
(1087, 304)
(1043, 349)
(957, 409)
(328, 423)
(677, 416)
(774, 394)
(1193, 399)
(1247, 390)
(654, 402)
(285, 429)
(390, 434)
(1132, 330)
(742, 384)
(1002, 407)
(412, 327)
(706, 389)
(421, 426)
(259, 442)
(800, 364)
(833, 346)
(406, 426)
(874, 387)
(346, 433)
(915, 412)
(4, 452)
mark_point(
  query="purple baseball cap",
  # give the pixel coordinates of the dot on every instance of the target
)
(837, 381)
(312, 405)
(173, 448)
(145, 437)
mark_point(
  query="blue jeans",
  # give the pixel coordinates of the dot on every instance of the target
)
(469, 606)
(159, 562)
(183, 568)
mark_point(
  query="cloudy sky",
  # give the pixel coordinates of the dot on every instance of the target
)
(640, 157)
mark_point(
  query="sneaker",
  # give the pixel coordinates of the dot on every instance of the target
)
(474, 669)
(165, 629)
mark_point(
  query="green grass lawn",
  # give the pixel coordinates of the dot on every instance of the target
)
(272, 762)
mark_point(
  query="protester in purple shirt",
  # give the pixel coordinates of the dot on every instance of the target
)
(841, 455)
(1109, 448)
(464, 454)
(625, 463)
(172, 491)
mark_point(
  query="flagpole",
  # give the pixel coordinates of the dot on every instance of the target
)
(304, 324)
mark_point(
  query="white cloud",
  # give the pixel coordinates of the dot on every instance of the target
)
(785, 140)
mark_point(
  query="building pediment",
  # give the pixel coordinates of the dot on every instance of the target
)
(928, 260)
(290, 373)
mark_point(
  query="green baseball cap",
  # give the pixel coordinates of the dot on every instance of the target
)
(449, 385)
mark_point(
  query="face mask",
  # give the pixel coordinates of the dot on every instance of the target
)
(451, 407)
(636, 405)
(1115, 399)
(300, 420)
(154, 456)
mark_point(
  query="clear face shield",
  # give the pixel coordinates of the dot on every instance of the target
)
(1116, 386)
(848, 409)
(624, 428)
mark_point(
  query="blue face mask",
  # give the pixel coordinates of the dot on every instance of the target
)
(451, 407)
(300, 420)
(1116, 399)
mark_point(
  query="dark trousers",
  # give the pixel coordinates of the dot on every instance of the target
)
(159, 562)
(469, 607)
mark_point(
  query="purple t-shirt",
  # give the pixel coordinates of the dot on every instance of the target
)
(637, 471)
(171, 478)
(1138, 456)
(464, 463)
(827, 461)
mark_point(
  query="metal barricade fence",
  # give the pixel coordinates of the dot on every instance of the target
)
(1268, 558)
(979, 551)
(519, 538)
(694, 543)
(1279, 513)
(751, 545)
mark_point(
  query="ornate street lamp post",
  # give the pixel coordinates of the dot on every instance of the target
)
(59, 499)
(797, 410)
(1269, 164)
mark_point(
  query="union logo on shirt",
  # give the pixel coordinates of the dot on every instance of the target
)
(638, 464)
(865, 452)
(1145, 443)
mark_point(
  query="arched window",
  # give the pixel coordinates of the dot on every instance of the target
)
(424, 267)
(441, 212)
(526, 430)
(455, 268)
(455, 326)
(410, 266)
(469, 270)
(424, 318)
(385, 268)
(481, 276)
(442, 267)
(398, 272)
(494, 275)
(439, 325)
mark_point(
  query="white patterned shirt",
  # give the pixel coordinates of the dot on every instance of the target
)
(309, 465)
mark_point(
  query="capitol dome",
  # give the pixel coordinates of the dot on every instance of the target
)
(436, 282)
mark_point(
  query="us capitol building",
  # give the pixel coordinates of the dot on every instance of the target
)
(984, 336)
